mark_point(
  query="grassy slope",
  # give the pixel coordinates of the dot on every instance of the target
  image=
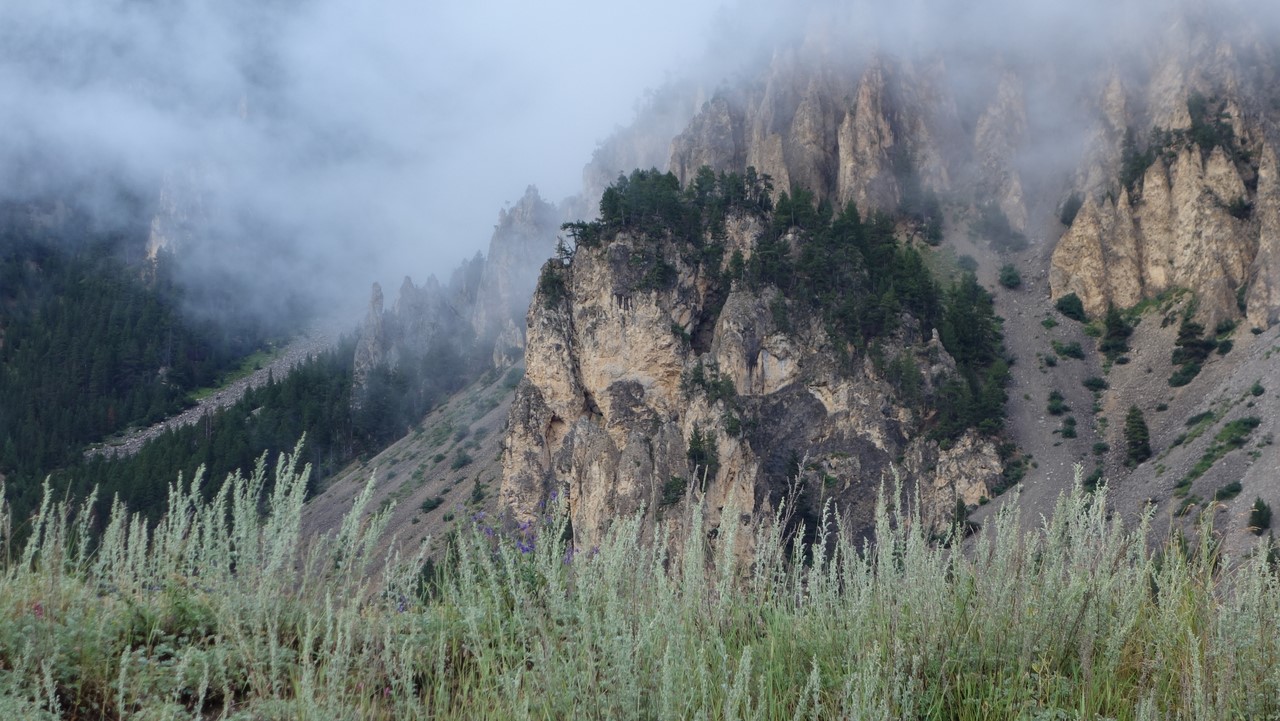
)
(224, 614)
(426, 464)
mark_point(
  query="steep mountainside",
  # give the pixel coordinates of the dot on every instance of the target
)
(665, 359)
(1155, 165)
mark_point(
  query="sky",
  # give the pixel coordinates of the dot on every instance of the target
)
(321, 145)
(333, 143)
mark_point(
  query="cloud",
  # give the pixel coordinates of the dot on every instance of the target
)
(333, 143)
(337, 143)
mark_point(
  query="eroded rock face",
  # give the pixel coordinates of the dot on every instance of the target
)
(871, 130)
(1181, 231)
(480, 305)
(625, 380)
(524, 237)
(1202, 214)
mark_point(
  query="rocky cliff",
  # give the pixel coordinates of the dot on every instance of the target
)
(644, 387)
(1178, 186)
(473, 316)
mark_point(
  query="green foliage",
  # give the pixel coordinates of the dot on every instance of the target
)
(1227, 492)
(703, 457)
(90, 349)
(1134, 164)
(1137, 437)
(904, 374)
(1259, 517)
(1236, 433)
(919, 206)
(1190, 351)
(848, 270)
(1210, 127)
(1256, 389)
(673, 490)
(1068, 350)
(1049, 323)
(223, 606)
(432, 503)
(1057, 405)
(1096, 384)
(1240, 208)
(706, 377)
(1115, 336)
(551, 283)
(1184, 374)
(461, 460)
(1199, 418)
(1232, 436)
(1068, 429)
(1072, 307)
(651, 203)
(313, 401)
(1010, 277)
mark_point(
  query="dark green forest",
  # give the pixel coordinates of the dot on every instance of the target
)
(93, 343)
(852, 271)
(313, 401)
(96, 339)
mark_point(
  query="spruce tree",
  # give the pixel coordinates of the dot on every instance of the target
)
(1136, 436)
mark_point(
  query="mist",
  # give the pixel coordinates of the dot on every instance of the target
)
(312, 146)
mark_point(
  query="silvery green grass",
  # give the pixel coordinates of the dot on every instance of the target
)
(222, 610)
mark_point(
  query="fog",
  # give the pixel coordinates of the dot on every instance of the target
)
(312, 145)
(316, 145)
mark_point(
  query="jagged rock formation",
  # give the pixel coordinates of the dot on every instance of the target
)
(523, 239)
(1181, 233)
(474, 314)
(1179, 184)
(634, 394)
(1164, 142)
(180, 211)
(873, 130)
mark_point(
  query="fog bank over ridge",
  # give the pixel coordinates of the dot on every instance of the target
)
(328, 146)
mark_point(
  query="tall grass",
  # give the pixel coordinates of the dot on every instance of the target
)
(222, 610)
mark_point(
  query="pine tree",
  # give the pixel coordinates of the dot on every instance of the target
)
(1136, 436)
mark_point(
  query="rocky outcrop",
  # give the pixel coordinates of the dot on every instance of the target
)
(1187, 229)
(474, 315)
(630, 387)
(524, 237)
(1263, 301)
(1000, 134)
(866, 131)
(180, 211)
(422, 320)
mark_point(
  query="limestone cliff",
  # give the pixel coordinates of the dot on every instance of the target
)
(473, 316)
(637, 393)
(1178, 182)
(524, 237)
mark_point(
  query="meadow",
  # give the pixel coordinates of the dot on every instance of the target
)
(223, 610)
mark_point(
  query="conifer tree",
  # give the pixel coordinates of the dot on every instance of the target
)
(1136, 436)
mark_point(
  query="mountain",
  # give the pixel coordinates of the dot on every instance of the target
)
(1141, 179)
